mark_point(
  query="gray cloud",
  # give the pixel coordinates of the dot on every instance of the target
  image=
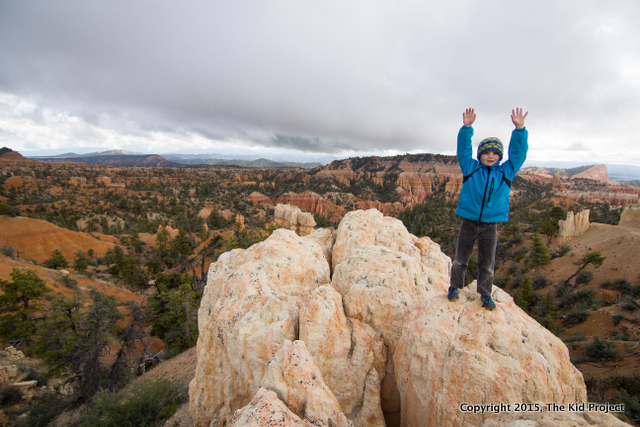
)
(327, 77)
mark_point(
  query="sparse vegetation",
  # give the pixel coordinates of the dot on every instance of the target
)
(147, 404)
(601, 350)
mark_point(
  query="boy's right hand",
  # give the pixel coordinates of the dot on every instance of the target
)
(468, 117)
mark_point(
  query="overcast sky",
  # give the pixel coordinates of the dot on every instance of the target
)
(339, 78)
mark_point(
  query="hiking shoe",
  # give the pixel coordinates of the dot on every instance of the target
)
(487, 302)
(452, 294)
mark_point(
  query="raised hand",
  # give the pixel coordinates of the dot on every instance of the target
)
(469, 116)
(518, 118)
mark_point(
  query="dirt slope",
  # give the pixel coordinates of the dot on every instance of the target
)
(36, 239)
(619, 244)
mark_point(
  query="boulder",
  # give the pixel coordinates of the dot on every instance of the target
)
(365, 228)
(296, 380)
(455, 353)
(294, 219)
(249, 308)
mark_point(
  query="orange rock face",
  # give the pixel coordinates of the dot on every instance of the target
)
(313, 203)
(260, 199)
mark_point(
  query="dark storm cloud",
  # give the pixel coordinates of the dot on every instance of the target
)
(325, 76)
(308, 145)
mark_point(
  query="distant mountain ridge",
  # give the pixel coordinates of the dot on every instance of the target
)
(617, 172)
(150, 160)
(127, 158)
(93, 154)
(201, 159)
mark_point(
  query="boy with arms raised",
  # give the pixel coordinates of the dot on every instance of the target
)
(484, 200)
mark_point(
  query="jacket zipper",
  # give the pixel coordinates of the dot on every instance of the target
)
(486, 186)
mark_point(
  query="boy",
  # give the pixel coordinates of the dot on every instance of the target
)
(484, 200)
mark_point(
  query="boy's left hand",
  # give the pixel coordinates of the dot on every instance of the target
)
(518, 118)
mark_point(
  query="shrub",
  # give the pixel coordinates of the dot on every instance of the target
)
(9, 251)
(630, 383)
(540, 281)
(616, 319)
(631, 404)
(149, 403)
(69, 282)
(45, 410)
(8, 210)
(562, 250)
(628, 390)
(577, 315)
(549, 323)
(501, 281)
(584, 277)
(585, 297)
(629, 305)
(9, 395)
(562, 288)
(575, 337)
(623, 286)
(601, 350)
(520, 254)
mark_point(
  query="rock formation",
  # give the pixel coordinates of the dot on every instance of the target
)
(249, 308)
(416, 176)
(294, 219)
(450, 354)
(260, 199)
(283, 342)
(630, 216)
(615, 196)
(573, 226)
(313, 203)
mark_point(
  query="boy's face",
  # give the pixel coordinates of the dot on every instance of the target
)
(489, 158)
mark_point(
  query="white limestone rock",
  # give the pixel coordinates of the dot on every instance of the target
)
(454, 353)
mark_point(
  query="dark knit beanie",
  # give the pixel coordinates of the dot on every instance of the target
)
(490, 144)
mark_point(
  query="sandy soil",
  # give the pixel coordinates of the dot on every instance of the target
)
(36, 239)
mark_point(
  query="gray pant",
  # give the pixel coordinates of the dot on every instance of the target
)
(487, 235)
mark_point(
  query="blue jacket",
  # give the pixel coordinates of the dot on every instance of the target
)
(486, 189)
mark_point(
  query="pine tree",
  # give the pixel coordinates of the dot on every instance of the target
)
(591, 258)
(75, 341)
(19, 301)
(57, 260)
(81, 262)
(539, 254)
